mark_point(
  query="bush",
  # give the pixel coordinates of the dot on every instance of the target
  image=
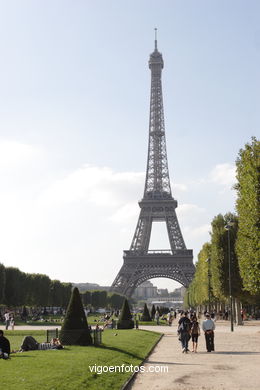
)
(146, 315)
(75, 330)
(125, 320)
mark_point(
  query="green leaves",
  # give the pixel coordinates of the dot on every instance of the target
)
(248, 209)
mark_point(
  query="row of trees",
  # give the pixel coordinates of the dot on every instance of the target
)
(236, 246)
(101, 298)
(18, 288)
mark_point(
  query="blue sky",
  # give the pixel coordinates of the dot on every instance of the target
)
(74, 109)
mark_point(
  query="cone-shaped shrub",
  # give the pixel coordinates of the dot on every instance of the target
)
(146, 315)
(125, 319)
(75, 330)
(153, 312)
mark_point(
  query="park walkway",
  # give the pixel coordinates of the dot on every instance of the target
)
(235, 365)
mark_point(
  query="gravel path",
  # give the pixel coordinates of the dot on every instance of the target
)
(235, 365)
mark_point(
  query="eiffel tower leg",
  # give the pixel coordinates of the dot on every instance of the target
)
(142, 233)
(125, 282)
(174, 232)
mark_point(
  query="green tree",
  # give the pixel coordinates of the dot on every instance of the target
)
(198, 291)
(86, 298)
(2, 283)
(248, 209)
(146, 315)
(15, 287)
(75, 330)
(116, 300)
(221, 237)
(153, 312)
(99, 298)
(125, 319)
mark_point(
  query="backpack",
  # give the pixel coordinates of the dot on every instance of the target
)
(184, 327)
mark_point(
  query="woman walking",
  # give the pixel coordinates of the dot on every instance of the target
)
(195, 333)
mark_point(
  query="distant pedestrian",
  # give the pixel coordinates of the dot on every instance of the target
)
(184, 332)
(12, 323)
(208, 327)
(169, 318)
(7, 320)
(195, 333)
(157, 317)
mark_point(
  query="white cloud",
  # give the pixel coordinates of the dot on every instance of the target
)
(200, 231)
(179, 187)
(125, 213)
(12, 154)
(98, 185)
(223, 174)
(188, 209)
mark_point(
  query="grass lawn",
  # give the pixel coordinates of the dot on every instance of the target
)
(68, 369)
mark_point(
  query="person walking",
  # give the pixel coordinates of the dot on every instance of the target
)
(12, 322)
(195, 333)
(157, 317)
(184, 331)
(7, 320)
(208, 326)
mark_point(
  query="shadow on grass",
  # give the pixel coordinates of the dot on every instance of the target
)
(121, 351)
(19, 355)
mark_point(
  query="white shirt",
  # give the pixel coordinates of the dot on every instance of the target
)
(208, 324)
(7, 316)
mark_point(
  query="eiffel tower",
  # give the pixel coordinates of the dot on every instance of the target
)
(158, 204)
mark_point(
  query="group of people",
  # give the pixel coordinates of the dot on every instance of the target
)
(189, 328)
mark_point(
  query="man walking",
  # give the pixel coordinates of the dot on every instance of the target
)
(184, 331)
(208, 327)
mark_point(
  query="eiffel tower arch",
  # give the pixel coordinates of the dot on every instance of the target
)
(140, 263)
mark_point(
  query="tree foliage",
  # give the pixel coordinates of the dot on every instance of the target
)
(197, 292)
(125, 319)
(223, 239)
(75, 330)
(146, 315)
(248, 209)
(153, 312)
(2, 282)
(18, 288)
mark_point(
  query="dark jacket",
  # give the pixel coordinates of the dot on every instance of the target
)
(4, 345)
(184, 328)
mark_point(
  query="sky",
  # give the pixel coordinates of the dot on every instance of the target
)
(74, 115)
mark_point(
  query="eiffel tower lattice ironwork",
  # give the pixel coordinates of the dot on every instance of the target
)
(158, 204)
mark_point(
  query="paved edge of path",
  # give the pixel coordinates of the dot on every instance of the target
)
(128, 383)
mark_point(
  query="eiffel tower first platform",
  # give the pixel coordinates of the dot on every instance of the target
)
(158, 204)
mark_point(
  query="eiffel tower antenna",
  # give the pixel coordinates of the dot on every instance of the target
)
(155, 38)
(157, 204)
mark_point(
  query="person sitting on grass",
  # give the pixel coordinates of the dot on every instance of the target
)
(4, 346)
(30, 344)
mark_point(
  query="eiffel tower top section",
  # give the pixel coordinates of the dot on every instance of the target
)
(157, 183)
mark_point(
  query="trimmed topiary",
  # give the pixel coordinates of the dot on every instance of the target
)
(153, 312)
(146, 315)
(75, 330)
(125, 319)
